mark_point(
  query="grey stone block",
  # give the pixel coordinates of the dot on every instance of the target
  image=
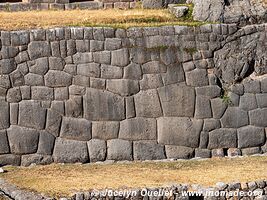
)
(248, 102)
(110, 106)
(147, 104)
(76, 129)
(204, 139)
(250, 136)
(148, 150)
(261, 100)
(113, 44)
(252, 86)
(179, 152)
(218, 107)
(211, 124)
(82, 58)
(4, 117)
(153, 67)
(111, 72)
(234, 117)
(139, 55)
(96, 45)
(258, 117)
(42, 93)
(138, 129)
(168, 56)
(222, 138)
(14, 112)
(22, 140)
(17, 77)
(25, 92)
(13, 95)
(211, 91)
(175, 74)
(97, 150)
(232, 152)
(105, 130)
(70, 151)
(46, 143)
(55, 78)
(40, 67)
(4, 81)
(233, 99)
(197, 77)
(133, 71)
(27, 160)
(32, 115)
(10, 159)
(151, 81)
(202, 153)
(7, 65)
(73, 107)
(53, 122)
(61, 93)
(251, 151)
(264, 85)
(98, 83)
(102, 57)
(4, 146)
(120, 57)
(123, 87)
(56, 63)
(119, 150)
(152, 4)
(90, 70)
(179, 131)
(202, 108)
(177, 100)
(34, 79)
(217, 153)
(39, 49)
(130, 108)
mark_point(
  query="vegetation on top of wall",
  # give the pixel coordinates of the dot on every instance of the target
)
(108, 18)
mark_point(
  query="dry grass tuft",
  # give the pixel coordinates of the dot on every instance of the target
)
(112, 17)
(65, 179)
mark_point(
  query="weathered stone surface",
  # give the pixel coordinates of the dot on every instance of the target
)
(42, 93)
(133, 71)
(76, 129)
(204, 139)
(248, 102)
(217, 153)
(211, 124)
(82, 58)
(232, 152)
(7, 66)
(120, 57)
(180, 131)
(234, 117)
(61, 93)
(22, 140)
(261, 100)
(90, 70)
(4, 146)
(73, 107)
(4, 116)
(197, 77)
(4, 81)
(13, 95)
(202, 153)
(148, 150)
(130, 108)
(105, 130)
(202, 108)
(38, 49)
(40, 67)
(222, 138)
(218, 107)
(33, 79)
(31, 115)
(9, 159)
(151, 81)
(152, 4)
(119, 150)
(107, 106)
(250, 151)
(258, 117)
(111, 72)
(53, 122)
(147, 104)
(175, 74)
(210, 91)
(250, 136)
(138, 129)
(177, 100)
(102, 57)
(178, 11)
(55, 78)
(27, 160)
(97, 150)
(153, 67)
(123, 87)
(179, 152)
(46, 143)
(56, 63)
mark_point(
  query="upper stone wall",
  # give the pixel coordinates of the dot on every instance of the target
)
(95, 94)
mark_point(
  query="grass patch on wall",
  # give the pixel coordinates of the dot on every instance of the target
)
(109, 18)
(58, 179)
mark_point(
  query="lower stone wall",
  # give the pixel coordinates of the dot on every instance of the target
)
(94, 94)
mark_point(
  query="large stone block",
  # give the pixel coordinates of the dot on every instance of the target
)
(32, 115)
(123, 87)
(97, 150)
(248, 102)
(119, 150)
(10, 159)
(22, 140)
(250, 136)
(218, 107)
(55, 78)
(133, 71)
(105, 130)
(120, 57)
(153, 67)
(70, 151)
(42, 93)
(151, 81)
(197, 77)
(148, 150)
(89, 69)
(152, 4)
(147, 104)
(203, 107)
(13, 95)
(4, 146)
(106, 106)
(138, 129)
(27, 160)
(222, 138)
(111, 72)
(4, 116)
(40, 67)
(177, 100)
(76, 129)
(7, 66)
(53, 122)
(46, 143)
(73, 107)
(175, 74)
(38, 49)
(258, 117)
(180, 131)
(234, 117)
(179, 152)
(261, 100)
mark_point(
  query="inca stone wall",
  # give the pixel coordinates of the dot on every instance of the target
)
(95, 94)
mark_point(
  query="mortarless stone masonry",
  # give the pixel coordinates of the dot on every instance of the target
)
(95, 94)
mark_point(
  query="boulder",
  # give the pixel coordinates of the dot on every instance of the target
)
(119, 150)
(148, 150)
